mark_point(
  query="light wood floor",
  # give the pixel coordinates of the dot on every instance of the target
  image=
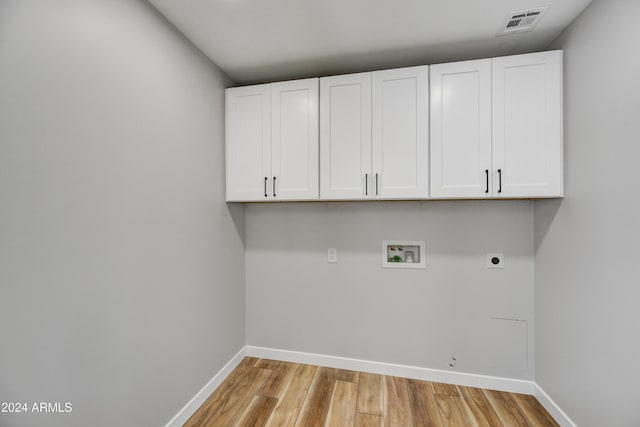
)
(261, 392)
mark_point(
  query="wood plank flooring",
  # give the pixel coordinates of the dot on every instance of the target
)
(261, 392)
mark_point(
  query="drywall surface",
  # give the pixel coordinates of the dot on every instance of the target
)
(586, 262)
(355, 308)
(121, 267)
(319, 38)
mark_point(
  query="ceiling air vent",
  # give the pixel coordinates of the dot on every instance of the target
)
(522, 21)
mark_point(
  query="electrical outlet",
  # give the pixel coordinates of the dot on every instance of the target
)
(495, 261)
(332, 255)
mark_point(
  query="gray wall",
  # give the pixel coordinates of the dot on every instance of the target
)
(297, 301)
(121, 267)
(586, 263)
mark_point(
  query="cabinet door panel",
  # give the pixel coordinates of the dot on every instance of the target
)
(247, 142)
(527, 125)
(401, 133)
(294, 142)
(345, 136)
(460, 129)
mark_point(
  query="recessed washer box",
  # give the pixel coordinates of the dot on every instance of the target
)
(403, 254)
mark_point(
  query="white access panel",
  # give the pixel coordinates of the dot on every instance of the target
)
(247, 142)
(460, 157)
(345, 137)
(527, 125)
(294, 141)
(400, 134)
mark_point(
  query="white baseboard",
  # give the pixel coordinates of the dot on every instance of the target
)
(190, 408)
(551, 407)
(425, 374)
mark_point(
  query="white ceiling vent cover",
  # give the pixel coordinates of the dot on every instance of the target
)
(522, 21)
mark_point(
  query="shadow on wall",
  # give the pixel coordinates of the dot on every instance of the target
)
(451, 228)
(545, 212)
(236, 211)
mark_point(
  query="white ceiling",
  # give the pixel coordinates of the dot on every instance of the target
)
(267, 40)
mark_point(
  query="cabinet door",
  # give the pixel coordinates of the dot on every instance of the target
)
(247, 142)
(461, 129)
(401, 133)
(294, 141)
(345, 137)
(527, 125)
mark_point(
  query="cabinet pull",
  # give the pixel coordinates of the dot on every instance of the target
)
(486, 172)
(376, 184)
(265, 186)
(366, 184)
(274, 186)
(499, 180)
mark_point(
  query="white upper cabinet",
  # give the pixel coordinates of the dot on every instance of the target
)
(527, 125)
(496, 127)
(488, 128)
(345, 136)
(248, 142)
(294, 140)
(374, 135)
(400, 137)
(461, 129)
(272, 141)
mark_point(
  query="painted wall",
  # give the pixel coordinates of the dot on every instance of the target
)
(121, 267)
(586, 261)
(355, 308)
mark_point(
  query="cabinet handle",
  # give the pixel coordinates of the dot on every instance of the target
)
(366, 184)
(274, 186)
(376, 184)
(499, 180)
(486, 172)
(265, 186)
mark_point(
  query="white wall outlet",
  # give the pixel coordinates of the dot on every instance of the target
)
(332, 255)
(495, 260)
